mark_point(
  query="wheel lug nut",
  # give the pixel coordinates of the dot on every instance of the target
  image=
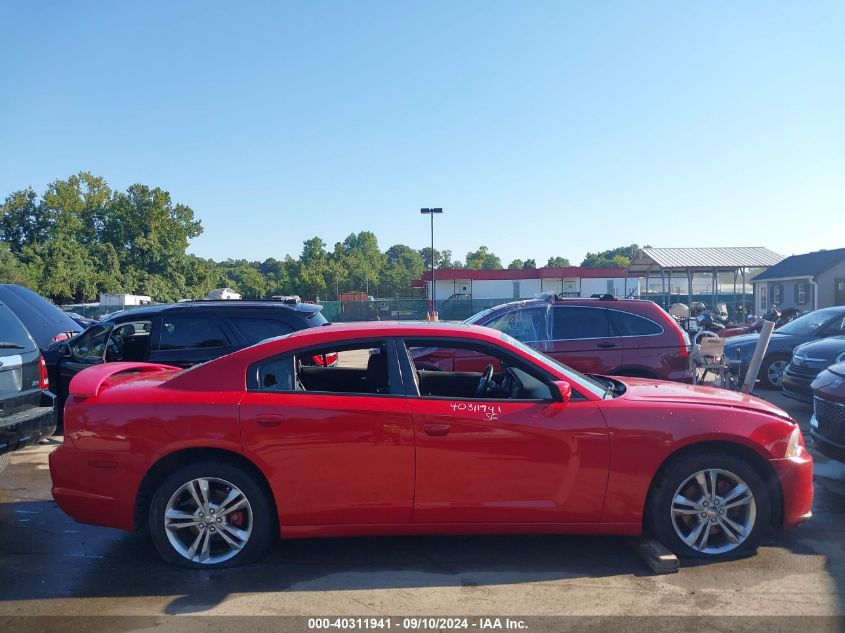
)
(713, 520)
(202, 526)
(219, 520)
(721, 511)
(213, 530)
(704, 515)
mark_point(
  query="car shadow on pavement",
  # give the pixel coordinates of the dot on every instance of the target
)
(46, 555)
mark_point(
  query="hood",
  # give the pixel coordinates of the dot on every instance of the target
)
(658, 391)
(838, 369)
(826, 348)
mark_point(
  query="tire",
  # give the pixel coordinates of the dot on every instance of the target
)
(239, 535)
(681, 525)
(769, 369)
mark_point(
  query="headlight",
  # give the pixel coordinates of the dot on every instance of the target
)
(793, 446)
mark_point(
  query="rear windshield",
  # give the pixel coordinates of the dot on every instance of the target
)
(13, 335)
(316, 319)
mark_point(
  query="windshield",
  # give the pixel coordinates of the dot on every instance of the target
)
(582, 380)
(810, 323)
(317, 319)
(475, 318)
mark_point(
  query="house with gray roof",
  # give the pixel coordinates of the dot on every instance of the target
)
(806, 282)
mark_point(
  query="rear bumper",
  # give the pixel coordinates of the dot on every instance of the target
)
(96, 487)
(27, 427)
(796, 481)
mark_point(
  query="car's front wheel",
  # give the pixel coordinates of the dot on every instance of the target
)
(710, 505)
(771, 371)
(209, 515)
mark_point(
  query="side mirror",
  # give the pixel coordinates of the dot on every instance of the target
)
(64, 350)
(561, 391)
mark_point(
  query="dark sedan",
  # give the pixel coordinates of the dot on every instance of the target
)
(816, 325)
(808, 360)
(827, 426)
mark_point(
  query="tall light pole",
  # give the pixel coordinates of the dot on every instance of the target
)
(432, 303)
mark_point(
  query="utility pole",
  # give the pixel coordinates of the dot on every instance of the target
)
(432, 302)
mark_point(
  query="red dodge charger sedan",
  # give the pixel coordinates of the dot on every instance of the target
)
(220, 459)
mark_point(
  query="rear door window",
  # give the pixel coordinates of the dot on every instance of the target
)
(191, 332)
(627, 324)
(254, 330)
(527, 324)
(13, 335)
(576, 322)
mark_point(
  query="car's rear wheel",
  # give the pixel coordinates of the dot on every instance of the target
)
(771, 371)
(709, 505)
(210, 515)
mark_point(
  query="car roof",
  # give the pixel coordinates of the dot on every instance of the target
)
(587, 301)
(395, 328)
(219, 305)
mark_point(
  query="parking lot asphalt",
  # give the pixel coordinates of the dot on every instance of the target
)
(54, 566)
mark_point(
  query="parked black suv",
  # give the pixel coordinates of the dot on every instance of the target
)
(26, 407)
(180, 334)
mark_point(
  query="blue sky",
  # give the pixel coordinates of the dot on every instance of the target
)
(542, 128)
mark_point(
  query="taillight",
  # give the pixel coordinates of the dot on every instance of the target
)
(44, 383)
(683, 337)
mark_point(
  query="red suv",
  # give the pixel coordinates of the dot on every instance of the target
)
(624, 337)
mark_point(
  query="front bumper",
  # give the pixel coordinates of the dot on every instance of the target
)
(795, 475)
(796, 385)
(827, 446)
(27, 427)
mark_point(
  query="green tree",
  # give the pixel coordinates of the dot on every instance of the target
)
(403, 264)
(517, 263)
(22, 221)
(614, 258)
(529, 263)
(483, 259)
(558, 262)
(363, 259)
(11, 270)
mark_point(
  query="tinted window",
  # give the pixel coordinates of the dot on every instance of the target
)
(254, 330)
(189, 332)
(12, 334)
(837, 327)
(626, 324)
(528, 324)
(575, 322)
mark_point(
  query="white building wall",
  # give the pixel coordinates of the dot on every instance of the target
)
(530, 288)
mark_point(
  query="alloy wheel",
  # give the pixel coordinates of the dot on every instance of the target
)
(713, 511)
(208, 520)
(774, 372)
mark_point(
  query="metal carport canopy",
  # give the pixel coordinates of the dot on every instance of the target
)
(722, 259)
